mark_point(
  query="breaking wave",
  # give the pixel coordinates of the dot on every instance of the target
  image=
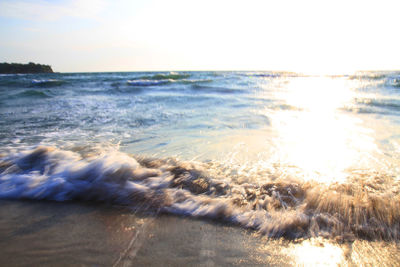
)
(46, 82)
(375, 105)
(147, 82)
(368, 206)
(151, 81)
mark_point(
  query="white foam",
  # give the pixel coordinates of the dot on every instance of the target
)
(148, 82)
(166, 185)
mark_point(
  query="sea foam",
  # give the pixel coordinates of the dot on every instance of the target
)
(275, 208)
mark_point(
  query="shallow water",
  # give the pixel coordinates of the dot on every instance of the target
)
(48, 234)
(281, 154)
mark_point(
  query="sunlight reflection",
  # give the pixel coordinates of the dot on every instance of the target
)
(318, 94)
(315, 135)
(311, 253)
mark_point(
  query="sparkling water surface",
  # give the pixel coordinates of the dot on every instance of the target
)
(284, 154)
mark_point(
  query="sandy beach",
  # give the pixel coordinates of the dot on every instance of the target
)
(35, 233)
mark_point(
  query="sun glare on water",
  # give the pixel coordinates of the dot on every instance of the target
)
(315, 134)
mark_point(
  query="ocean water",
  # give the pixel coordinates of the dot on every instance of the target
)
(284, 155)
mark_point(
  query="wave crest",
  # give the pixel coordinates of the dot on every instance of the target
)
(46, 82)
(276, 208)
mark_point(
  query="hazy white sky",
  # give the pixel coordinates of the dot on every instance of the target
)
(128, 35)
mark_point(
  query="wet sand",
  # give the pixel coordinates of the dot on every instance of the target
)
(35, 233)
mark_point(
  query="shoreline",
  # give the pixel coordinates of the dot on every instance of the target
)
(51, 233)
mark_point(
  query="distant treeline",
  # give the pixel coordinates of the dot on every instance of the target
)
(10, 68)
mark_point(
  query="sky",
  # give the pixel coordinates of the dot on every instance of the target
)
(309, 36)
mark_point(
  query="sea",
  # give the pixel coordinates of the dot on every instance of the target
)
(279, 162)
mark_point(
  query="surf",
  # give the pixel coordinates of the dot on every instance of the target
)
(275, 208)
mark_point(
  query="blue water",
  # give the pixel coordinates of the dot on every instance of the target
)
(248, 148)
(143, 111)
